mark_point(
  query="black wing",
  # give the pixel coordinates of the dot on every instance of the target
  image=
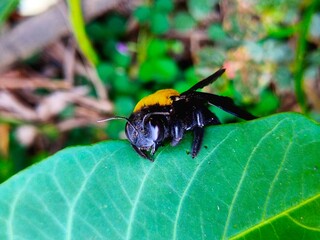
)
(225, 103)
(206, 81)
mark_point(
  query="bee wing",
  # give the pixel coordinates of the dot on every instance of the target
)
(206, 81)
(225, 103)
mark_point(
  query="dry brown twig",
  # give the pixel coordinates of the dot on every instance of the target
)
(11, 104)
(30, 36)
(33, 83)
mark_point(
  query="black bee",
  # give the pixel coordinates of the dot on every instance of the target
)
(167, 115)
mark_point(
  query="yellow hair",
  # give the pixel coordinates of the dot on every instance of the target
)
(161, 97)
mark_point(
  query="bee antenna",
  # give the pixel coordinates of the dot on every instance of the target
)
(118, 117)
(112, 118)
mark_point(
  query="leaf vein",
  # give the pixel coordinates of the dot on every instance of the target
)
(136, 202)
(302, 225)
(73, 204)
(276, 177)
(13, 207)
(191, 180)
(245, 170)
(281, 214)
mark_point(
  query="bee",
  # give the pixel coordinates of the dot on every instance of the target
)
(168, 115)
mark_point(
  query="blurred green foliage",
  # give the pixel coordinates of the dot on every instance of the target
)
(6, 7)
(255, 43)
(270, 49)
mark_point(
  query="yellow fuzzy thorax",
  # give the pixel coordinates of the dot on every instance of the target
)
(161, 97)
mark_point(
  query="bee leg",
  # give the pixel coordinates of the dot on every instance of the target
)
(154, 148)
(142, 153)
(197, 140)
(201, 118)
(177, 132)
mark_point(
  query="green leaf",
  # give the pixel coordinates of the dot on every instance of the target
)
(216, 32)
(200, 9)
(6, 7)
(159, 23)
(6, 168)
(253, 180)
(165, 6)
(177, 47)
(123, 106)
(183, 21)
(276, 31)
(284, 79)
(105, 71)
(122, 59)
(115, 26)
(114, 129)
(268, 104)
(123, 85)
(314, 57)
(157, 48)
(270, 50)
(142, 13)
(163, 70)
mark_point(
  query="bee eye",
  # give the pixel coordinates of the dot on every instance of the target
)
(131, 132)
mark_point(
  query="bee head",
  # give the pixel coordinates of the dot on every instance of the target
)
(147, 131)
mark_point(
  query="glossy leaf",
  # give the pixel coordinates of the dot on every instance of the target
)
(254, 180)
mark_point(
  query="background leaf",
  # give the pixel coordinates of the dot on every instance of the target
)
(6, 7)
(183, 21)
(254, 180)
(200, 9)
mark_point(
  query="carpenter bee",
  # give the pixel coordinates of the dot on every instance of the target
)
(167, 115)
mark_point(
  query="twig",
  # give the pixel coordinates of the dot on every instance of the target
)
(86, 70)
(72, 123)
(99, 105)
(34, 83)
(302, 35)
(10, 103)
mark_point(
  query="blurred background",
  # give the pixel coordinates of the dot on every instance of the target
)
(66, 64)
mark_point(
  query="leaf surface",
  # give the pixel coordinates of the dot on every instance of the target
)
(252, 180)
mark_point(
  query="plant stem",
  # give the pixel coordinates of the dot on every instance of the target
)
(78, 27)
(303, 31)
